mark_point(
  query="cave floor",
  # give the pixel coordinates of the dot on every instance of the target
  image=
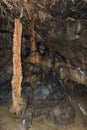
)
(8, 122)
(80, 122)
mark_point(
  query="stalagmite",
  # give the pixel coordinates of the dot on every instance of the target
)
(17, 69)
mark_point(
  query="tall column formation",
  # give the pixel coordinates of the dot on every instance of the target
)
(17, 69)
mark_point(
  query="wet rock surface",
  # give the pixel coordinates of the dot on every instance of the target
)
(25, 122)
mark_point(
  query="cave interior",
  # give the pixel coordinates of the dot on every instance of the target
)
(47, 72)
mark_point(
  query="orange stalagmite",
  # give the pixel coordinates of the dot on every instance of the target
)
(17, 69)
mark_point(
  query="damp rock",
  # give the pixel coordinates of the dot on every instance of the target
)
(62, 115)
(25, 122)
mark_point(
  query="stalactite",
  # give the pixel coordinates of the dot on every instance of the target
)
(17, 68)
(34, 57)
